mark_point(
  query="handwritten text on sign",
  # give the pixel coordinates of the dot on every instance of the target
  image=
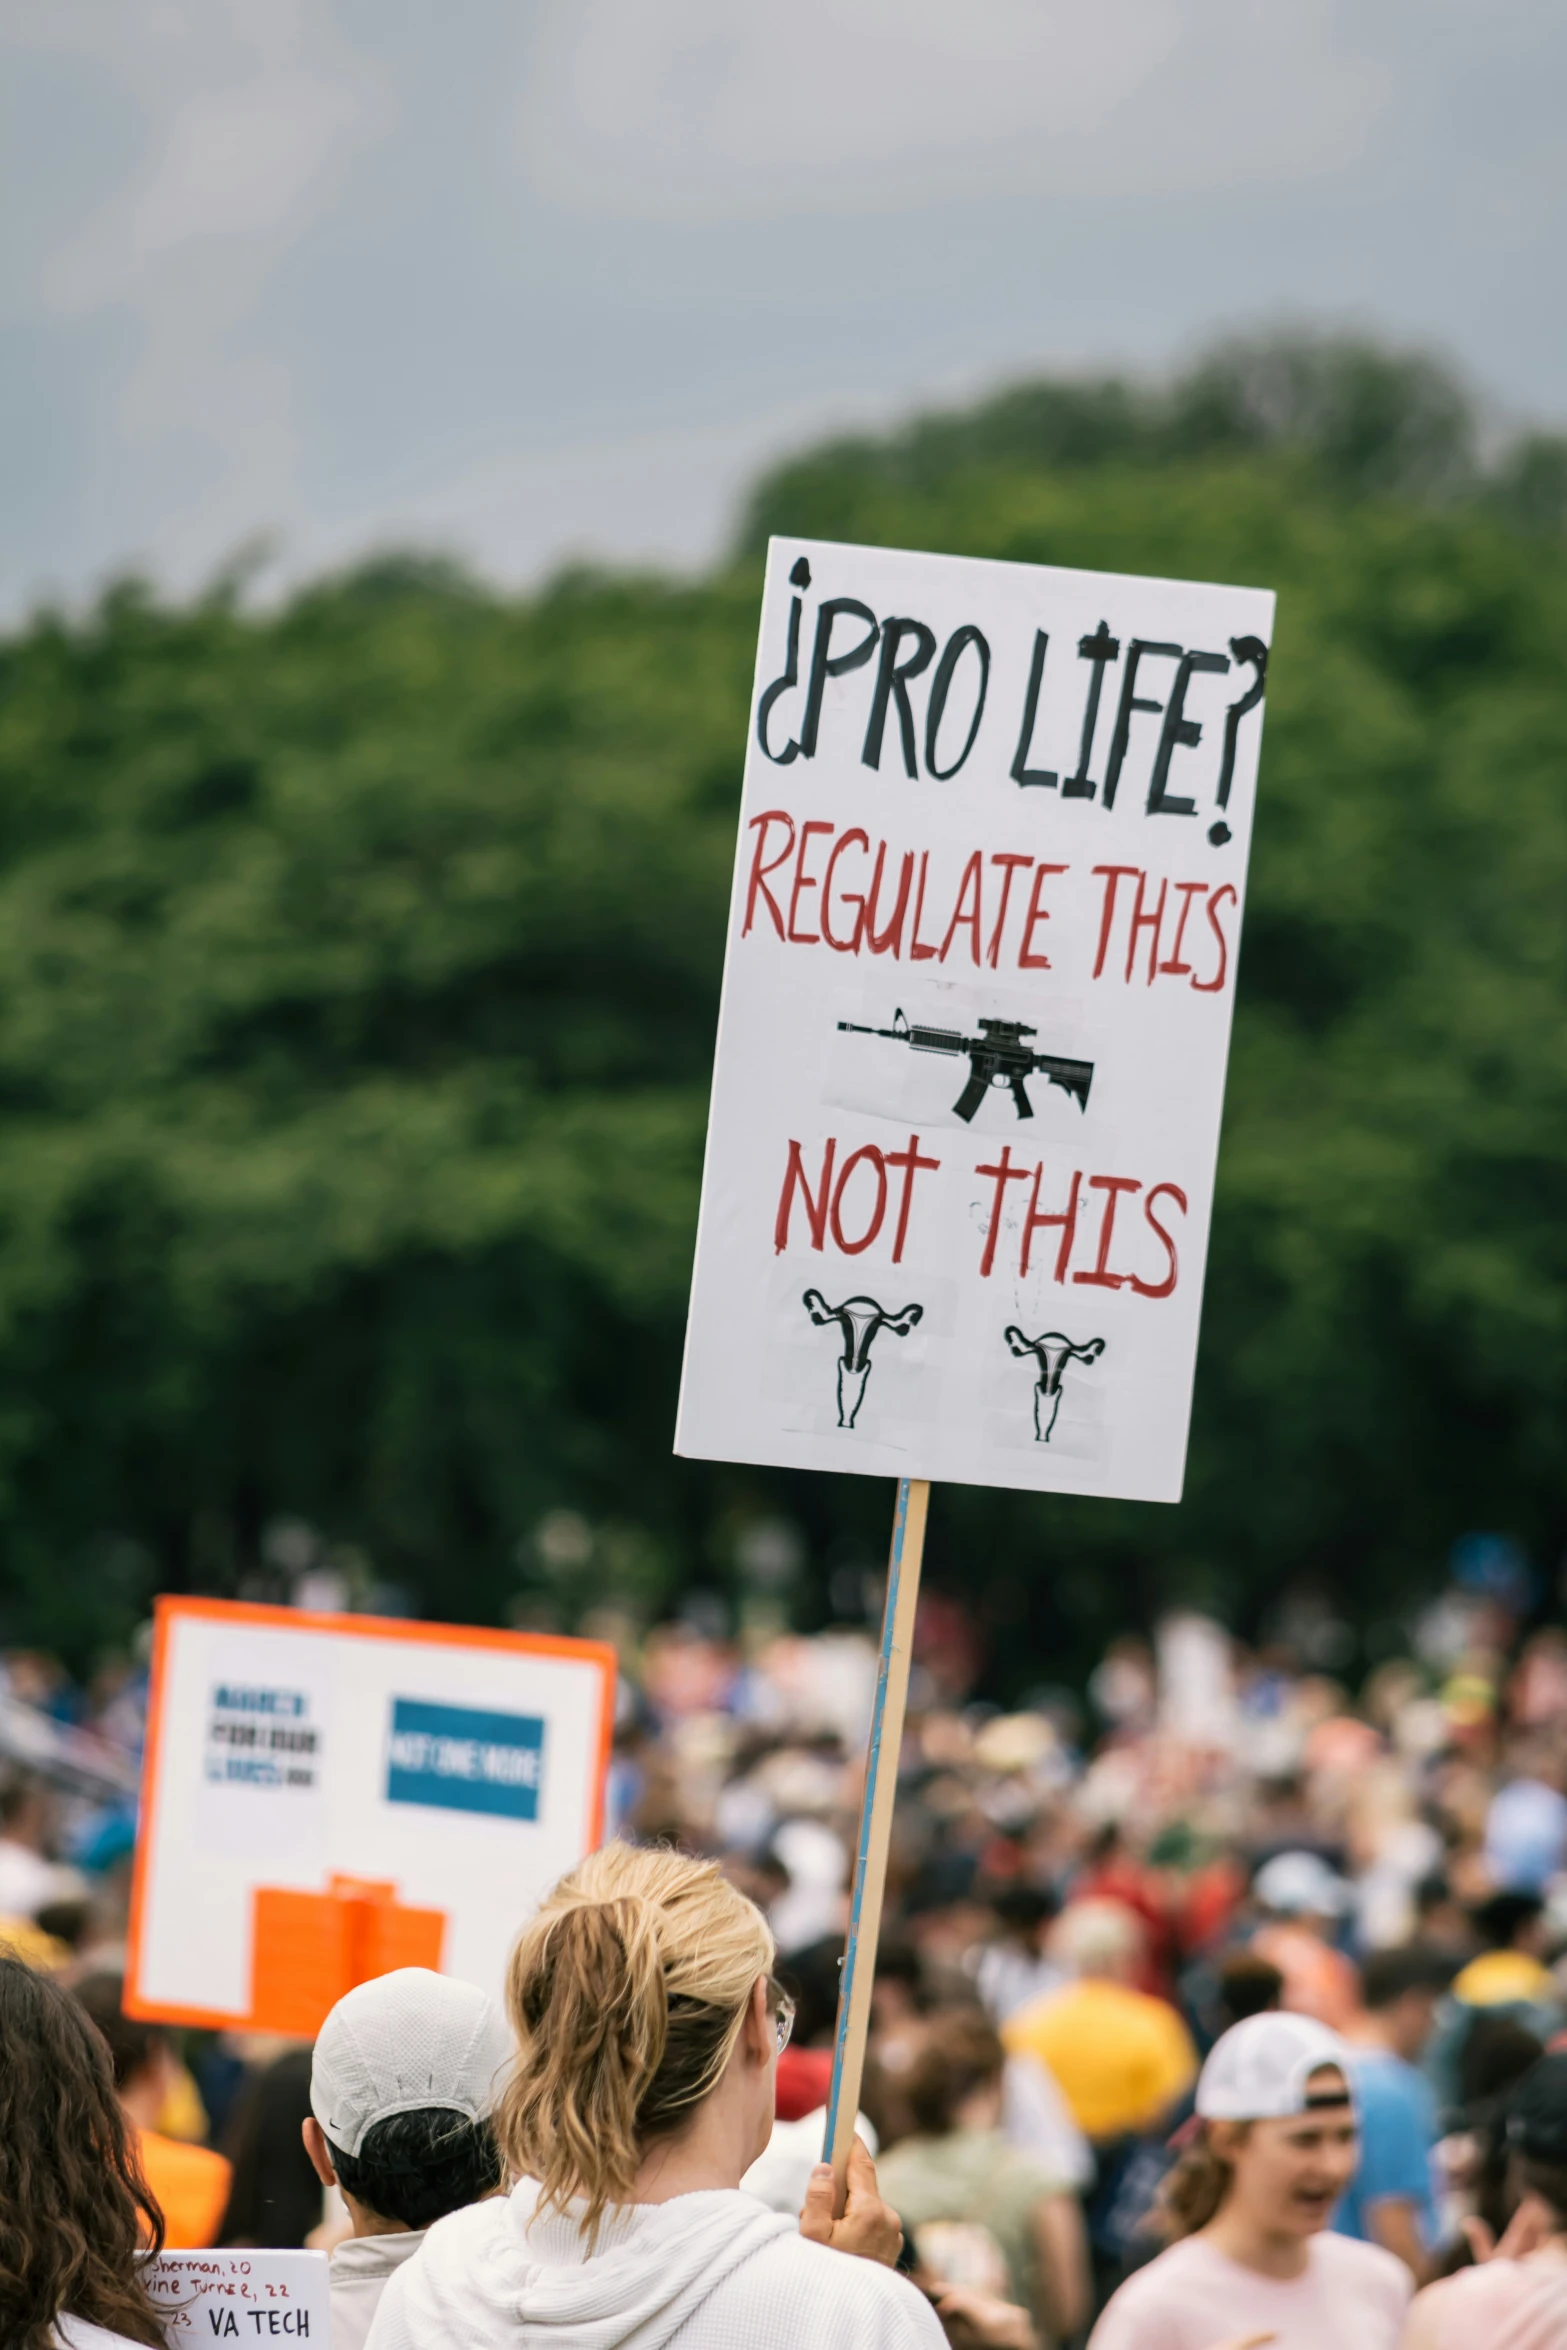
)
(980, 976)
(252, 2297)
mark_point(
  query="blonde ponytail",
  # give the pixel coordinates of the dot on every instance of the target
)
(627, 1992)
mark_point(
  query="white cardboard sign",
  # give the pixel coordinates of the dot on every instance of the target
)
(977, 1000)
(269, 2300)
(455, 1772)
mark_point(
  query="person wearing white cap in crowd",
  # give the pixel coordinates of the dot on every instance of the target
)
(403, 2081)
(1249, 2204)
(1305, 1903)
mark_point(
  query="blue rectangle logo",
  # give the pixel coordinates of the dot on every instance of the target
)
(461, 1760)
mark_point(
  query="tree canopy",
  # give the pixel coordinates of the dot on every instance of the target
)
(358, 974)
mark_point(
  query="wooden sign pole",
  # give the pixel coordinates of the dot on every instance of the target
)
(881, 1787)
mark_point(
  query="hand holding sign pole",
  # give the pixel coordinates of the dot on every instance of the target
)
(1000, 813)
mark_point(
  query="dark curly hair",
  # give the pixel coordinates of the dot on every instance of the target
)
(74, 2207)
(416, 2167)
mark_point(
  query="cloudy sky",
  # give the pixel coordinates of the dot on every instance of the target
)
(523, 278)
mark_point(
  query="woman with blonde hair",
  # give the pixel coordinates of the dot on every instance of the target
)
(1248, 2205)
(648, 2031)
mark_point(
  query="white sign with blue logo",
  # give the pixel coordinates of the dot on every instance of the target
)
(457, 1772)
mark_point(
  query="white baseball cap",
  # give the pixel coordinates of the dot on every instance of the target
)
(1259, 2069)
(1301, 1885)
(403, 2042)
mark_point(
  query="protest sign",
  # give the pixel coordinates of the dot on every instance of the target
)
(328, 1797)
(977, 999)
(277, 2298)
(970, 1069)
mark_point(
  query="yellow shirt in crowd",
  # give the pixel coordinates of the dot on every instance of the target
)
(1497, 1977)
(1121, 2057)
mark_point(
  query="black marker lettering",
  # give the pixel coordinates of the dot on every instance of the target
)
(825, 663)
(1251, 653)
(892, 679)
(1132, 700)
(941, 685)
(1022, 773)
(1178, 728)
(781, 685)
(1101, 649)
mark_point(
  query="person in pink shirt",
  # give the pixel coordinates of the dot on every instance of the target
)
(1249, 2204)
(1516, 2298)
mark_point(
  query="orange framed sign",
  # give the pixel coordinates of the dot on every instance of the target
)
(329, 1797)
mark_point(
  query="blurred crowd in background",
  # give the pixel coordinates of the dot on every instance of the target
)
(1081, 1897)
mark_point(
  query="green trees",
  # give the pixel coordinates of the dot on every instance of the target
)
(356, 982)
(358, 968)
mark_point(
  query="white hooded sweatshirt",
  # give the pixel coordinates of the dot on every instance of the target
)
(710, 2271)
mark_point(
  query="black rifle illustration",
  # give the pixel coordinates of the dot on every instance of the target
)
(997, 1056)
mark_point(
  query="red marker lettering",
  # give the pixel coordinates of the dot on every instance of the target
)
(919, 952)
(1212, 986)
(1142, 921)
(1035, 1222)
(852, 1248)
(851, 945)
(1188, 890)
(1114, 875)
(815, 1209)
(1164, 1287)
(1112, 1186)
(1027, 961)
(891, 938)
(1009, 865)
(759, 871)
(911, 1162)
(1004, 1174)
(972, 873)
(804, 881)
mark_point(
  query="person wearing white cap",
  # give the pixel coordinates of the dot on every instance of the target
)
(1248, 2205)
(403, 2081)
(1305, 1903)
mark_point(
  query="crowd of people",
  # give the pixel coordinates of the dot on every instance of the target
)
(1224, 2009)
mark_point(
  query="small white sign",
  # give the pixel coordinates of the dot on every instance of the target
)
(270, 2299)
(977, 1001)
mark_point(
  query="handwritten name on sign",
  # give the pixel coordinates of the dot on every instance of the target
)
(980, 975)
(262, 2297)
